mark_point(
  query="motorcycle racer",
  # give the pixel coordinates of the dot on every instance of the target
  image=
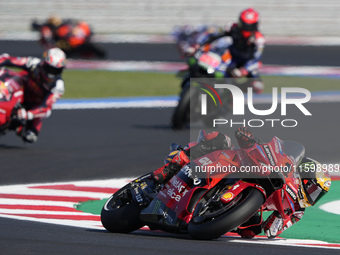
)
(42, 88)
(246, 47)
(209, 143)
(312, 184)
(72, 36)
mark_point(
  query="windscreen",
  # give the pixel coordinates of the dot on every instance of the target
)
(294, 150)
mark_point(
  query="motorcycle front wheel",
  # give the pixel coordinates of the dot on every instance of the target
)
(210, 222)
(188, 108)
(181, 114)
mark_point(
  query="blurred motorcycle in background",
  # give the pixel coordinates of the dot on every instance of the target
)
(207, 62)
(212, 60)
(72, 36)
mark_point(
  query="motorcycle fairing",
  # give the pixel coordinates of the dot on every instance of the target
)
(237, 188)
(11, 95)
(170, 207)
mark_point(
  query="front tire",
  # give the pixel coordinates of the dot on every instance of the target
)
(212, 228)
(181, 115)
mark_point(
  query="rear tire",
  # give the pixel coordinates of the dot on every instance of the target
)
(246, 207)
(120, 219)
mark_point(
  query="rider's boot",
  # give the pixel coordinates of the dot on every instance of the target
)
(27, 135)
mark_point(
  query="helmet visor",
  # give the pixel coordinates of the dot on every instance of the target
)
(247, 26)
(313, 191)
(51, 71)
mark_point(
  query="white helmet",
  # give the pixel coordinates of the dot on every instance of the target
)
(54, 61)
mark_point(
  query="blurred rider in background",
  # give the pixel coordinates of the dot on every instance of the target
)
(246, 47)
(70, 35)
(313, 184)
(43, 87)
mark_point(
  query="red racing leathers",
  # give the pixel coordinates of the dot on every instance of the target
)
(275, 224)
(40, 93)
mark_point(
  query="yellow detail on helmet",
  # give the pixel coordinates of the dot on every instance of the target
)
(54, 20)
(314, 184)
(171, 156)
(323, 180)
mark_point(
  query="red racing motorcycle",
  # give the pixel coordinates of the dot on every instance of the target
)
(211, 195)
(74, 37)
(11, 99)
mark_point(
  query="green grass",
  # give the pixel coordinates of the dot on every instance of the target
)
(96, 84)
(93, 84)
(310, 83)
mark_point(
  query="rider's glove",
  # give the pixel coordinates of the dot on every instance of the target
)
(4, 55)
(3, 58)
(273, 226)
(244, 137)
(22, 114)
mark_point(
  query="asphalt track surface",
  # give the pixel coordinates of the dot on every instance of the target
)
(99, 144)
(272, 55)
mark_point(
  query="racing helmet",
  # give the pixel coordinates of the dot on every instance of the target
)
(217, 141)
(53, 63)
(314, 182)
(248, 22)
(54, 21)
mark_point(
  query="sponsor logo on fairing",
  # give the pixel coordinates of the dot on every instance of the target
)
(166, 215)
(269, 155)
(205, 161)
(186, 170)
(291, 192)
(177, 183)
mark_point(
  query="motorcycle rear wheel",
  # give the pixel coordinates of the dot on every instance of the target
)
(246, 205)
(119, 215)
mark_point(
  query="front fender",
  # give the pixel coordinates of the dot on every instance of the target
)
(237, 188)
